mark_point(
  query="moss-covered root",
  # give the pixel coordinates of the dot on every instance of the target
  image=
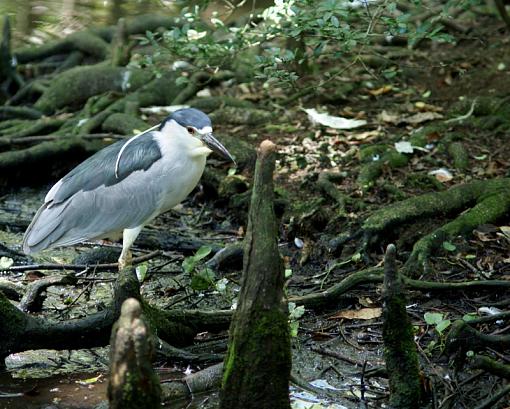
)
(488, 200)
(132, 382)
(21, 332)
(463, 338)
(50, 158)
(258, 362)
(490, 365)
(459, 155)
(399, 348)
(73, 87)
(198, 382)
(491, 206)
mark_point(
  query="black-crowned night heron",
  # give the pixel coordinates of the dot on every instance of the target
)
(124, 186)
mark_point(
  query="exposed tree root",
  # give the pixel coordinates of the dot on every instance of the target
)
(489, 365)
(462, 338)
(74, 87)
(485, 201)
(33, 299)
(20, 332)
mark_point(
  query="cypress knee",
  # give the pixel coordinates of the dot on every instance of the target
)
(133, 384)
(399, 348)
(258, 362)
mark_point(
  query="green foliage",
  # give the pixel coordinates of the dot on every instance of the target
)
(295, 313)
(202, 278)
(449, 246)
(469, 316)
(440, 324)
(437, 320)
(293, 37)
(141, 272)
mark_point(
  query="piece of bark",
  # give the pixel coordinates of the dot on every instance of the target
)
(258, 363)
(399, 348)
(133, 383)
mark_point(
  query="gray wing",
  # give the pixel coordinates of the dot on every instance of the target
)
(93, 201)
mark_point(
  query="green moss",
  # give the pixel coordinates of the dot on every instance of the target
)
(124, 124)
(13, 324)
(160, 324)
(395, 159)
(241, 116)
(368, 152)
(209, 104)
(423, 182)
(459, 155)
(73, 87)
(259, 354)
(400, 355)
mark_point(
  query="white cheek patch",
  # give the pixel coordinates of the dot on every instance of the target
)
(205, 130)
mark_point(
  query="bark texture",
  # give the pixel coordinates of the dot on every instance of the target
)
(258, 363)
(133, 383)
(399, 349)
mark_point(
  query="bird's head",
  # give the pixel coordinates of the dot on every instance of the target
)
(192, 123)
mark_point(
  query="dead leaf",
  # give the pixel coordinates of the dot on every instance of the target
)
(421, 117)
(364, 135)
(362, 314)
(404, 147)
(424, 107)
(389, 118)
(505, 230)
(365, 301)
(331, 121)
(381, 91)
(442, 175)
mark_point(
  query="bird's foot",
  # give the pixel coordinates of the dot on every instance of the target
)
(125, 260)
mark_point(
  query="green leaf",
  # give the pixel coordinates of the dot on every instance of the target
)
(469, 317)
(294, 327)
(188, 264)
(356, 257)
(202, 252)
(141, 272)
(288, 272)
(203, 280)
(182, 80)
(441, 326)
(232, 171)
(433, 318)
(449, 246)
(297, 313)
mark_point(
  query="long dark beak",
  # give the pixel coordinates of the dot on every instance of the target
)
(217, 147)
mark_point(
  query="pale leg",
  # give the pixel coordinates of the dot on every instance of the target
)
(128, 238)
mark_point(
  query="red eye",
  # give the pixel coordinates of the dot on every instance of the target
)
(191, 130)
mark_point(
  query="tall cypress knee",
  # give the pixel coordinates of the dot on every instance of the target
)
(258, 362)
(399, 347)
